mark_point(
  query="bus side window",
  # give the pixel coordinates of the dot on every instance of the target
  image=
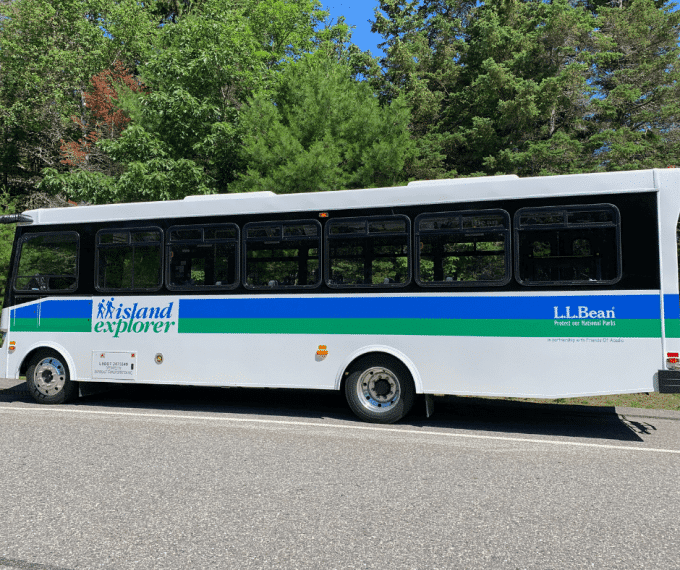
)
(203, 257)
(368, 252)
(568, 244)
(47, 262)
(129, 260)
(282, 255)
(463, 248)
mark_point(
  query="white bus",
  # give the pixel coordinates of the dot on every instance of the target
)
(500, 286)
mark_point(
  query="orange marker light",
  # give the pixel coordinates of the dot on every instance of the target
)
(322, 352)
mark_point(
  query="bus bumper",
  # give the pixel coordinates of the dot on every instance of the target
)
(669, 381)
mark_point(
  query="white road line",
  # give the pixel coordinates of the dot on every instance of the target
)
(393, 429)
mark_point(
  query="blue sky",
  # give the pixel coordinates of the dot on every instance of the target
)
(357, 13)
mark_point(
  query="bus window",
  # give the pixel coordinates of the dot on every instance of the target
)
(202, 257)
(368, 252)
(463, 248)
(129, 260)
(282, 255)
(568, 244)
(47, 262)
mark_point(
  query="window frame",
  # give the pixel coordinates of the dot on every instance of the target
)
(566, 225)
(98, 246)
(281, 224)
(507, 231)
(32, 292)
(198, 288)
(367, 220)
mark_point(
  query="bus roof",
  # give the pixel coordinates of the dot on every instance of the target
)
(420, 192)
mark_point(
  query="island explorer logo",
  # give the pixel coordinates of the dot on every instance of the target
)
(120, 318)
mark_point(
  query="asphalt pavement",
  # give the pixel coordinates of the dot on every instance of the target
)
(180, 477)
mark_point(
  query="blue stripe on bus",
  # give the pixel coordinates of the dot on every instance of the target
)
(463, 307)
(671, 306)
(56, 309)
(26, 312)
(404, 307)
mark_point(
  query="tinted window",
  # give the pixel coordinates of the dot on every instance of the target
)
(203, 257)
(47, 262)
(463, 248)
(368, 252)
(282, 255)
(568, 244)
(129, 259)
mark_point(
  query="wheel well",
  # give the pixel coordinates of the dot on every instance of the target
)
(376, 354)
(29, 356)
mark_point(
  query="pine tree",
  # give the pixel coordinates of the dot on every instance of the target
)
(636, 104)
(533, 87)
(320, 129)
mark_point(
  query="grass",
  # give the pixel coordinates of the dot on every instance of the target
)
(651, 400)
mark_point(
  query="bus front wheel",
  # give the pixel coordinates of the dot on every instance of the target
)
(379, 389)
(48, 378)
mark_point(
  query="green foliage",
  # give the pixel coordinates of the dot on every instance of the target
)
(180, 140)
(536, 87)
(492, 81)
(200, 69)
(48, 53)
(319, 129)
(79, 184)
(524, 84)
(266, 94)
(203, 70)
(424, 43)
(7, 206)
(637, 81)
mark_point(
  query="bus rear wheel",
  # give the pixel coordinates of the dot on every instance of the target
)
(379, 389)
(48, 378)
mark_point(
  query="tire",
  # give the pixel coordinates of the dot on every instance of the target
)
(48, 378)
(379, 389)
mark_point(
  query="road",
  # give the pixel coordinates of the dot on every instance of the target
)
(156, 478)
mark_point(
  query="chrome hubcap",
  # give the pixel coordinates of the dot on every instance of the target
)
(378, 389)
(49, 376)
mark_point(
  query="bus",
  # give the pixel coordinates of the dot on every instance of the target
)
(542, 287)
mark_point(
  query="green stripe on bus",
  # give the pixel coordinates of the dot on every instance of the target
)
(672, 328)
(631, 328)
(51, 325)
